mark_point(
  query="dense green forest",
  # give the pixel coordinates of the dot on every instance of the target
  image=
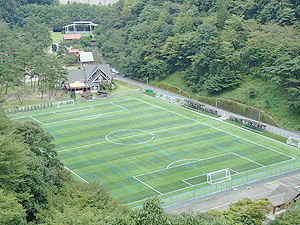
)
(215, 47)
(241, 50)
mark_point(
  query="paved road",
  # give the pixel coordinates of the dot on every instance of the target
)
(223, 113)
(221, 200)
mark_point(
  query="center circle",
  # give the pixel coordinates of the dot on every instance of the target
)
(129, 137)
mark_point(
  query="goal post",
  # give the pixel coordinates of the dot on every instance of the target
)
(293, 141)
(219, 176)
(65, 103)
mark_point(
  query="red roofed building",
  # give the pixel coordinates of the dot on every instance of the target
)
(75, 51)
(72, 36)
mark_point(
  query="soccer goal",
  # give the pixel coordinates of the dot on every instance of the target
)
(65, 103)
(293, 141)
(171, 99)
(218, 176)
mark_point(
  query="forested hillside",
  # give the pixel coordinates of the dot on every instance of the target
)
(219, 48)
(213, 46)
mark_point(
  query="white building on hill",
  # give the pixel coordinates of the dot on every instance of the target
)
(91, 2)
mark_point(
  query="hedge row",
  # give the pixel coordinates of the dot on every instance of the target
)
(170, 88)
(238, 108)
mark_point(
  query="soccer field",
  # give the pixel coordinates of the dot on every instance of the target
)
(140, 146)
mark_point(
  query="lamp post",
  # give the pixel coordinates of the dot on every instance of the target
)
(217, 101)
(147, 82)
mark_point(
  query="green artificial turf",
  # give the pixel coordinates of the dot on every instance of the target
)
(140, 146)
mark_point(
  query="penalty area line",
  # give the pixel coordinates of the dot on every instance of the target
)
(36, 120)
(148, 186)
(76, 174)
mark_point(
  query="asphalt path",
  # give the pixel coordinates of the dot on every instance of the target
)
(221, 200)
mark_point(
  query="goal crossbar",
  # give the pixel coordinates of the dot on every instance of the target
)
(218, 176)
(293, 141)
(171, 99)
(65, 103)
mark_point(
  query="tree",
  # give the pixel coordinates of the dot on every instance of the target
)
(11, 212)
(246, 211)
(150, 214)
(80, 202)
(22, 92)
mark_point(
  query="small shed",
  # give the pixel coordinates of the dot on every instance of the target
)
(102, 94)
(281, 197)
(86, 58)
(87, 96)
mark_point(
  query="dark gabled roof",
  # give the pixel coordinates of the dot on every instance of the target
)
(82, 75)
(282, 195)
(76, 75)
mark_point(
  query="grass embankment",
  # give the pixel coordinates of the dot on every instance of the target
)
(263, 96)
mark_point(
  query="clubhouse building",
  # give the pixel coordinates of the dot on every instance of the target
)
(87, 79)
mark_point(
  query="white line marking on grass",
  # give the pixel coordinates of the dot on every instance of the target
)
(248, 159)
(36, 120)
(91, 116)
(187, 182)
(148, 186)
(118, 106)
(234, 171)
(82, 146)
(76, 174)
(55, 113)
(180, 161)
(92, 107)
(218, 128)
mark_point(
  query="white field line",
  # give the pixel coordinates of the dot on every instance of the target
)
(55, 113)
(36, 120)
(14, 118)
(76, 174)
(193, 160)
(118, 106)
(181, 165)
(83, 146)
(194, 177)
(92, 107)
(215, 127)
(187, 182)
(234, 171)
(147, 185)
(91, 116)
(117, 139)
(249, 159)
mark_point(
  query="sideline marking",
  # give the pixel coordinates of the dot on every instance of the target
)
(36, 120)
(76, 174)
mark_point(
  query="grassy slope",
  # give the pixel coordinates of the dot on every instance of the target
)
(268, 99)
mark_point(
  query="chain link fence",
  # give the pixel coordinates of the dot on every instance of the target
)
(235, 182)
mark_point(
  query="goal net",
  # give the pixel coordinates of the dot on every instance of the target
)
(218, 176)
(171, 99)
(65, 103)
(293, 141)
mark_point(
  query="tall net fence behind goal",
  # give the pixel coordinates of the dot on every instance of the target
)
(65, 103)
(218, 176)
(293, 141)
(171, 99)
